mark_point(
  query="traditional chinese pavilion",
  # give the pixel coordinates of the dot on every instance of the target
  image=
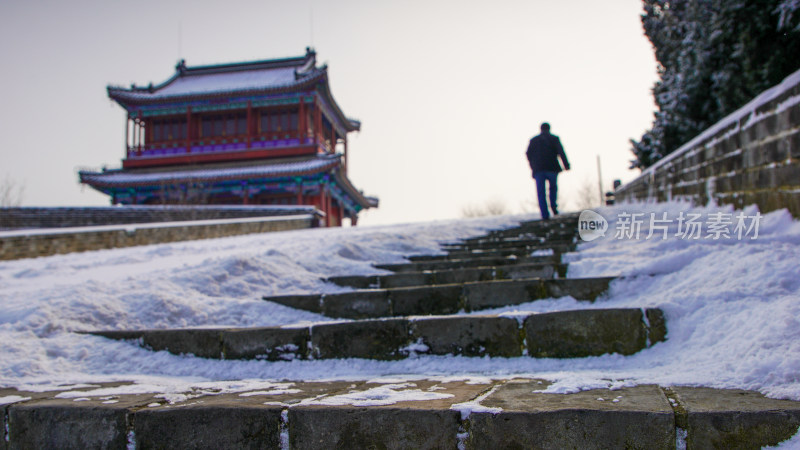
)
(263, 132)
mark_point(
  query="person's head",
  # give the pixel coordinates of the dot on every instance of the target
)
(545, 127)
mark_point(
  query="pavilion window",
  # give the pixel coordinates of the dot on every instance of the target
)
(207, 127)
(157, 131)
(168, 130)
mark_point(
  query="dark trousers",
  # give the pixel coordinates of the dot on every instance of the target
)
(552, 180)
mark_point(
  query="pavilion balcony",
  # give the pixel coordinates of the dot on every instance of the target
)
(220, 148)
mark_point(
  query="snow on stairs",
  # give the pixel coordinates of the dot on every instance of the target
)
(424, 414)
(413, 312)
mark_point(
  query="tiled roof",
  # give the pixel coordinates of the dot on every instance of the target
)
(225, 79)
(123, 179)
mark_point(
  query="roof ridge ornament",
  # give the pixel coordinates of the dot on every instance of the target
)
(309, 65)
(181, 66)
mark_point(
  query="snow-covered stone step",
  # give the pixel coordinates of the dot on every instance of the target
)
(427, 413)
(434, 277)
(526, 242)
(520, 252)
(482, 261)
(563, 334)
(443, 299)
(530, 230)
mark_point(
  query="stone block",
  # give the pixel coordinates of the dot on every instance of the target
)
(469, 335)
(356, 281)
(502, 293)
(588, 332)
(347, 427)
(357, 305)
(119, 335)
(370, 339)
(205, 343)
(460, 276)
(70, 424)
(656, 325)
(524, 271)
(444, 299)
(641, 418)
(794, 143)
(389, 423)
(209, 422)
(311, 302)
(578, 288)
(272, 344)
(402, 280)
(736, 419)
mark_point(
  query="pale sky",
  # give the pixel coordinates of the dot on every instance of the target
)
(448, 92)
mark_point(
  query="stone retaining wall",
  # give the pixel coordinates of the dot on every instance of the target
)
(63, 217)
(750, 157)
(43, 242)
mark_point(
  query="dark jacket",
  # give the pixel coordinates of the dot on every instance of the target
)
(543, 153)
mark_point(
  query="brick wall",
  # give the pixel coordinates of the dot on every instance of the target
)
(44, 242)
(750, 157)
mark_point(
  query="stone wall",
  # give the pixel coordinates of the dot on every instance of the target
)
(43, 242)
(62, 217)
(750, 157)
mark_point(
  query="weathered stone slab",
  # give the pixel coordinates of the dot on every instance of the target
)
(397, 425)
(588, 332)
(505, 252)
(205, 343)
(70, 424)
(523, 271)
(371, 339)
(402, 280)
(460, 276)
(727, 419)
(657, 325)
(357, 281)
(210, 422)
(641, 418)
(312, 302)
(119, 335)
(578, 288)
(466, 263)
(357, 305)
(444, 299)
(272, 344)
(502, 293)
(348, 427)
(469, 335)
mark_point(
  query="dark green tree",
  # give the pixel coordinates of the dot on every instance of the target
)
(713, 57)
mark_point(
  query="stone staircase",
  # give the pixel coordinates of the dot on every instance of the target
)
(425, 307)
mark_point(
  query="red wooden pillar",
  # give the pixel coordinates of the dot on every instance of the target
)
(299, 192)
(188, 129)
(141, 132)
(301, 121)
(318, 133)
(245, 194)
(353, 220)
(333, 138)
(249, 123)
(323, 200)
(329, 197)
